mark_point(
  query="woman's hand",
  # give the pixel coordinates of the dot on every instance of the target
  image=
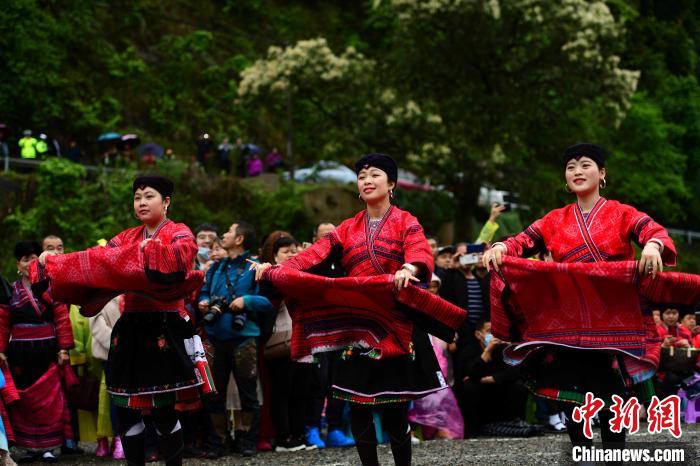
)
(63, 357)
(44, 255)
(494, 257)
(650, 262)
(259, 268)
(402, 278)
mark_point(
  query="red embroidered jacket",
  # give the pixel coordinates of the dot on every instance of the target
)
(605, 234)
(28, 318)
(399, 239)
(155, 279)
(165, 260)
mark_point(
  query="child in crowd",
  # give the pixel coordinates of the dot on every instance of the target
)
(672, 333)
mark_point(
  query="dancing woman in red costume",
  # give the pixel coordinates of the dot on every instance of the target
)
(592, 229)
(382, 239)
(149, 367)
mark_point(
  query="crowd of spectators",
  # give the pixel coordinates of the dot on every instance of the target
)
(266, 401)
(238, 158)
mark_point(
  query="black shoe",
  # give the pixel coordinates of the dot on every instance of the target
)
(290, 444)
(68, 451)
(48, 457)
(248, 448)
(508, 429)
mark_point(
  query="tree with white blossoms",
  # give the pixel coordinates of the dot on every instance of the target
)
(465, 92)
(343, 110)
(511, 81)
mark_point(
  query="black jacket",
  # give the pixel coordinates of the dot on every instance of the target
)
(455, 290)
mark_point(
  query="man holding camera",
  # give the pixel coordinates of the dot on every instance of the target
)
(463, 288)
(231, 309)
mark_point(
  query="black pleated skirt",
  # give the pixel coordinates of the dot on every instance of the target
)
(363, 380)
(147, 357)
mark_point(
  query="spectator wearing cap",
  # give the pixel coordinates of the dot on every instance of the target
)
(443, 260)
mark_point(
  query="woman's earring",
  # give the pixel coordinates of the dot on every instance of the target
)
(391, 194)
(567, 189)
(19, 272)
(359, 196)
(603, 183)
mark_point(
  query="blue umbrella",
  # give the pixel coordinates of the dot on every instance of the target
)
(112, 136)
(151, 148)
(251, 149)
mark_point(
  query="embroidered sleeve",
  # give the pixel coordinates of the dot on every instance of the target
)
(116, 241)
(643, 229)
(64, 331)
(528, 243)
(417, 251)
(168, 257)
(4, 327)
(322, 250)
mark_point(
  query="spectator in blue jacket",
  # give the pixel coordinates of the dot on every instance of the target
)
(232, 309)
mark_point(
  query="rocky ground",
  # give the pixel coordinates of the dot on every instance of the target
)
(545, 450)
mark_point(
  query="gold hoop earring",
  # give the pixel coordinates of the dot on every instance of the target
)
(359, 196)
(603, 183)
(567, 189)
(391, 194)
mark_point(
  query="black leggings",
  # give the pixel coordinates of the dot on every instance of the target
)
(164, 419)
(575, 429)
(395, 422)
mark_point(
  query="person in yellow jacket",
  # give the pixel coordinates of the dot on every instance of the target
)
(42, 146)
(28, 145)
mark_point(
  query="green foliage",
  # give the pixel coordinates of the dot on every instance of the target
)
(432, 208)
(68, 204)
(655, 182)
(464, 93)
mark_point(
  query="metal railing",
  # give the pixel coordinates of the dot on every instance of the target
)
(688, 235)
(34, 163)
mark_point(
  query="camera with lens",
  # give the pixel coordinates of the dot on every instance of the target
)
(217, 306)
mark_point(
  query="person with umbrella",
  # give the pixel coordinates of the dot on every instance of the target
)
(108, 141)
